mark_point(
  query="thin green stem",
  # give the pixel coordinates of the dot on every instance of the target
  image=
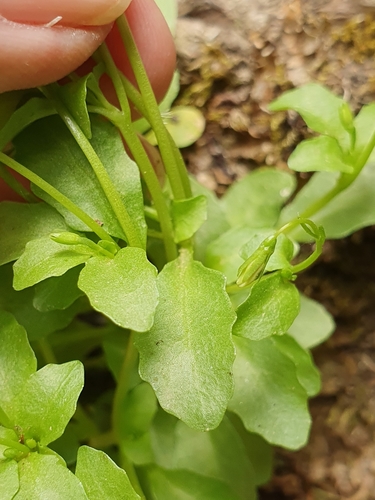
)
(15, 445)
(134, 95)
(126, 129)
(123, 386)
(16, 186)
(104, 179)
(56, 195)
(175, 171)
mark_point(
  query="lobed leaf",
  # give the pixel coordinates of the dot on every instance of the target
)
(101, 477)
(270, 309)
(268, 396)
(188, 354)
(122, 288)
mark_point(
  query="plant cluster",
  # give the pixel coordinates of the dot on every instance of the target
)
(189, 301)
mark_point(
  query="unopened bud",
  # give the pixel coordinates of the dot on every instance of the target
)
(255, 265)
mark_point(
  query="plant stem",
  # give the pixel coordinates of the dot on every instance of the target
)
(175, 169)
(128, 365)
(14, 444)
(56, 195)
(126, 129)
(104, 179)
(16, 186)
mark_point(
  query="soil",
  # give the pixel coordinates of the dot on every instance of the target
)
(235, 56)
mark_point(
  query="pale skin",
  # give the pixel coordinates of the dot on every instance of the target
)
(34, 51)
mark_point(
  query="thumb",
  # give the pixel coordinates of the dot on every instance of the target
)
(44, 40)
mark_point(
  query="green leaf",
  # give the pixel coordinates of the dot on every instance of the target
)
(268, 396)
(313, 325)
(138, 411)
(270, 309)
(34, 109)
(215, 224)
(187, 356)
(48, 149)
(364, 126)
(257, 199)
(49, 399)
(218, 454)
(8, 104)
(20, 304)
(8, 434)
(185, 485)
(319, 154)
(101, 477)
(23, 222)
(319, 107)
(282, 255)
(59, 292)
(122, 288)
(307, 373)
(188, 215)
(17, 360)
(9, 481)
(44, 258)
(349, 211)
(185, 124)
(42, 477)
(74, 95)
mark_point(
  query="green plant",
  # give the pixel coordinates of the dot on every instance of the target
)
(187, 300)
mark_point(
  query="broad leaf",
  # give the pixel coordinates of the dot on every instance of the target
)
(313, 325)
(59, 292)
(349, 211)
(138, 410)
(48, 402)
(185, 485)
(20, 304)
(187, 356)
(9, 481)
(319, 154)
(48, 149)
(319, 107)
(307, 373)
(257, 199)
(23, 222)
(268, 396)
(122, 288)
(44, 258)
(188, 216)
(270, 309)
(101, 477)
(17, 360)
(43, 477)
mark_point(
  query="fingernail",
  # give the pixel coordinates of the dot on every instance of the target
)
(67, 12)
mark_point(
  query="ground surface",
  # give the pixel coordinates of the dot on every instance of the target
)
(235, 56)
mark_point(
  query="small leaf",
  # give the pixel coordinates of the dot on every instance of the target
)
(257, 199)
(188, 354)
(122, 288)
(307, 373)
(74, 95)
(20, 304)
(319, 154)
(313, 325)
(9, 482)
(48, 402)
(185, 485)
(270, 309)
(268, 396)
(42, 477)
(59, 292)
(101, 477)
(17, 360)
(44, 258)
(319, 107)
(188, 215)
(23, 222)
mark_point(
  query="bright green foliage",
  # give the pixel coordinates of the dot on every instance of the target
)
(271, 308)
(101, 477)
(268, 396)
(123, 288)
(59, 292)
(73, 95)
(9, 481)
(188, 216)
(187, 356)
(21, 223)
(282, 254)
